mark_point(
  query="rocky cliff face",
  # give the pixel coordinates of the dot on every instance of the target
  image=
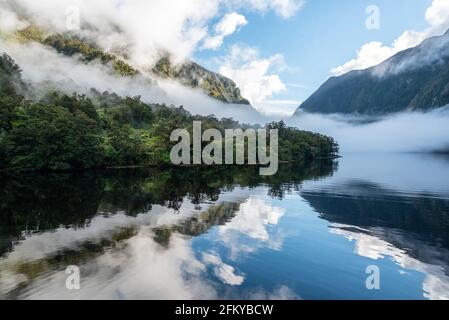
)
(193, 75)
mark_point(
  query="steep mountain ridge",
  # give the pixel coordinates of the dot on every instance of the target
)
(413, 79)
(189, 73)
(193, 75)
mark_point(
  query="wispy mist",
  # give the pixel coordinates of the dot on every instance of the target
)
(432, 51)
(403, 132)
(43, 67)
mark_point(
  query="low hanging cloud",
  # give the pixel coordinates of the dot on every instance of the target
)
(46, 69)
(229, 24)
(10, 22)
(434, 51)
(402, 132)
(142, 28)
(253, 75)
(139, 30)
(373, 53)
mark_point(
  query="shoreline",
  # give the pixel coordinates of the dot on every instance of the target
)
(162, 166)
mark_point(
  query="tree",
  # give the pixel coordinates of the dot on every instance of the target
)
(10, 77)
(48, 137)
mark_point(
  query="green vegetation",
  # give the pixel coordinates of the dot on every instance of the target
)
(71, 45)
(30, 33)
(62, 132)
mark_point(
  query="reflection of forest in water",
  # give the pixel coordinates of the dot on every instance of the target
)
(36, 203)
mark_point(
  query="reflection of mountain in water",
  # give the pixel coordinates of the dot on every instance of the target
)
(413, 230)
(197, 225)
(369, 206)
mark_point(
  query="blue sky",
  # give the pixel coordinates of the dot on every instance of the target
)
(319, 37)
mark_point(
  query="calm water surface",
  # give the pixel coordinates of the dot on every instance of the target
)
(310, 232)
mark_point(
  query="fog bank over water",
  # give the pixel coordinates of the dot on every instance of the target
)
(402, 132)
(411, 174)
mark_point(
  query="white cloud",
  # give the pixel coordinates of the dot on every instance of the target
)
(229, 24)
(437, 15)
(140, 28)
(373, 53)
(252, 74)
(143, 27)
(10, 22)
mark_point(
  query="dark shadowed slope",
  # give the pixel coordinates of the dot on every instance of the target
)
(414, 79)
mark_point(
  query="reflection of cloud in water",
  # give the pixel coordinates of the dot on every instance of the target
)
(436, 282)
(106, 226)
(138, 269)
(223, 271)
(252, 221)
(39, 246)
(281, 293)
(120, 258)
(102, 231)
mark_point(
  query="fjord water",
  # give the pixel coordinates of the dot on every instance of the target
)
(310, 232)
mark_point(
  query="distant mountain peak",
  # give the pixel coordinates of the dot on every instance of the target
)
(413, 79)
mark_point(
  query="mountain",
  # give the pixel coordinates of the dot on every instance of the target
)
(188, 73)
(414, 79)
(193, 75)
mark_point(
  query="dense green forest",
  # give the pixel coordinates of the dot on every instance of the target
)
(66, 132)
